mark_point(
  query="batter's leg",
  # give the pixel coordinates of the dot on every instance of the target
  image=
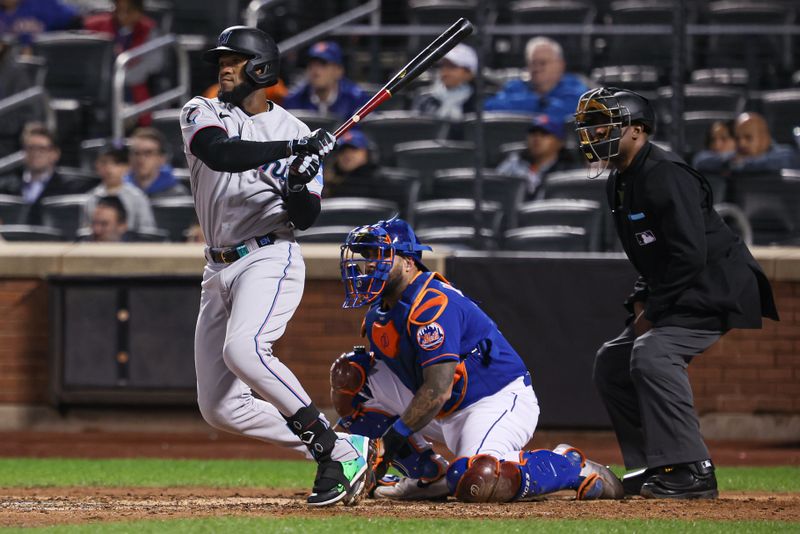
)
(226, 402)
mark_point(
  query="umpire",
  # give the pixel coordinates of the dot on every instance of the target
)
(697, 281)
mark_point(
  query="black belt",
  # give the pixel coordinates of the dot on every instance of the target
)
(231, 254)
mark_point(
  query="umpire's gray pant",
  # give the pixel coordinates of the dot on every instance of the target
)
(645, 387)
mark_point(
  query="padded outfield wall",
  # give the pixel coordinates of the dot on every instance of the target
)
(95, 325)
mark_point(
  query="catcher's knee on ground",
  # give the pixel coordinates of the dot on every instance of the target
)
(484, 478)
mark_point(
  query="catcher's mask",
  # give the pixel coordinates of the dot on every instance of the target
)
(602, 115)
(367, 257)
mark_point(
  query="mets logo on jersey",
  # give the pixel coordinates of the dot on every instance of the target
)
(430, 336)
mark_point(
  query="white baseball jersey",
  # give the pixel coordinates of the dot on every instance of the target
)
(233, 207)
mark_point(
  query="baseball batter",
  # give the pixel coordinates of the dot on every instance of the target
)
(438, 365)
(256, 175)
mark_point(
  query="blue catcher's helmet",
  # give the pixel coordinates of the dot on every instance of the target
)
(367, 256)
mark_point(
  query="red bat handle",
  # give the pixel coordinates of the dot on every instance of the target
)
(376, 100)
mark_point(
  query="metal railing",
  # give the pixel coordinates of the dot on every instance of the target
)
(371, 8)
(122, 111)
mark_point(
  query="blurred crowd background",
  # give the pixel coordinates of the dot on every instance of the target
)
(479, 153)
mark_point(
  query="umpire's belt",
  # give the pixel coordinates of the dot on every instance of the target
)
(231, 254)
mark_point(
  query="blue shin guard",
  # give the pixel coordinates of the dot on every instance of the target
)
(545, 471)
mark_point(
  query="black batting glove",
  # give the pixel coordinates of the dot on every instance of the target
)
(302, 170)
(320, 142)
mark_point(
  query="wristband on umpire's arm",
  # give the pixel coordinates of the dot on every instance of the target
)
(395, 439)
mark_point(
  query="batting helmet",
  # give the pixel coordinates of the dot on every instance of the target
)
(264, 57)
(601, 115)
(376, 245)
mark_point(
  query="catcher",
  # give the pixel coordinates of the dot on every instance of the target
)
(437, 366)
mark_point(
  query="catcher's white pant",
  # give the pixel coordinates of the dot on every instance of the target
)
(244, 309)
(499, 425)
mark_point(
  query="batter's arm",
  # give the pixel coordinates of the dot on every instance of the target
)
(303, 208)
(223, 154)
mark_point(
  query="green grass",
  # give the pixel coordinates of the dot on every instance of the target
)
(351, 525)
(148, 472)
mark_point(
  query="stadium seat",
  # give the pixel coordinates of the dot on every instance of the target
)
(638, 49)
(174, 214)
(577, 48)
(323, 234)
(79, 67)
(12, 209)
(498, 128)
(400, 186)
(509, 191)
(79, 180)
(167, 121)
(354, 211)
(721, 76)
(586, 214)
(766, 57)
(154, 235)
(24, 232)
(641, 78)
(64, 212)
(782, 110)
(457, 238)
(436, 12)
(433, 214)
(546, 239)
(427, 157)
(315, 119)
(35, 67)
(388, 128)
(769, 201)
(574, 184)
(702, 98)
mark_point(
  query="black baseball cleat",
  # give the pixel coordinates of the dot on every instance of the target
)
(632, 482)
(694, 480)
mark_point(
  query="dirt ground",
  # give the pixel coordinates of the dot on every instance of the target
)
(53, 506)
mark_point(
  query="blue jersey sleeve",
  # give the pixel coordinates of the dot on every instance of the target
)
(435, 328)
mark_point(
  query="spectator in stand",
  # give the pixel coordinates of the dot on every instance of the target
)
(149, 169)
(326, 89)
(550, 89)
(39, 178)
(128, 25)
(352, 171)
(720, 140)
(112, 166)
(453, 92)
(543, 155)
(27, 18)
(109, 221)
(755, 150)
(13, 79)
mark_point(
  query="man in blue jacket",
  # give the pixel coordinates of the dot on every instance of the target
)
(326, 89)
(550, 90)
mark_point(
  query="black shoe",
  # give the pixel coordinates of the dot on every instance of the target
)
(694, 480)
(632, 482)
